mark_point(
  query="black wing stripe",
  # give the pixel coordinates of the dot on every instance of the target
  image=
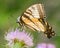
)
(27, 24)
(29, 19)
(39, 10)
(29, 11)
(30, 27)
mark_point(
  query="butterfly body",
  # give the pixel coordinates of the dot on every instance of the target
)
(34, 18)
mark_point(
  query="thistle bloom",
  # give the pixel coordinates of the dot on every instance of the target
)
(19, 36)
(45, 45)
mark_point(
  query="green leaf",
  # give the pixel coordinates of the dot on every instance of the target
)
(17, 45)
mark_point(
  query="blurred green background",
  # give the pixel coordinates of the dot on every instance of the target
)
(11, 9)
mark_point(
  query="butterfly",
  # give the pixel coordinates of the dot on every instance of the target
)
(34, 18)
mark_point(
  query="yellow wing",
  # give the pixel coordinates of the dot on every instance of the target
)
(34, 23)
(32, 17)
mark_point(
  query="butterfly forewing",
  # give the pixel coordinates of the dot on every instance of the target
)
(34, 23)
(33, 14)
(37, 11)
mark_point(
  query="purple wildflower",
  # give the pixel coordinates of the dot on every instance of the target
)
(20, 36)
(51, 46)
(45, 45)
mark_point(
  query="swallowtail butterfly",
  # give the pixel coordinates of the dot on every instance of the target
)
(34, 18)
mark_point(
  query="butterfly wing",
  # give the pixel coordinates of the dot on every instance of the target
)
(37, 11)
(31, 17)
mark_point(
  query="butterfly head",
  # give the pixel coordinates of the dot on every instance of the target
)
(19, 21)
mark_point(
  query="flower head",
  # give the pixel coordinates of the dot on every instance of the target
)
(19, 36)
(45, 45)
